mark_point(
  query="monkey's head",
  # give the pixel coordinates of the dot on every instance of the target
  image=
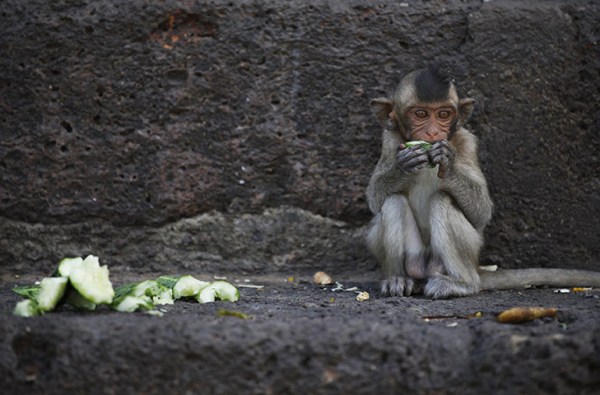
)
(425, 106)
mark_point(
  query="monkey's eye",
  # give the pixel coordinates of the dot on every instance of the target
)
(421, 114)
(444, 114)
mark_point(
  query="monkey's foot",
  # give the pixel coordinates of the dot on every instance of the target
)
(397, 286)
(441, 287)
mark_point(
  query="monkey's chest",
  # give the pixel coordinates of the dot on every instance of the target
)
(424, 185)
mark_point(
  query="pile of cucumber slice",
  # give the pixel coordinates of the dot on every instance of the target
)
(84, 284)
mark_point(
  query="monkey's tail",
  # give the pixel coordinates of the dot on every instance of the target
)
(523, 278)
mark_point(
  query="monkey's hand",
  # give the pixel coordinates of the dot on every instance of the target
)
(397, 286)
(412, 159)
(442, 153)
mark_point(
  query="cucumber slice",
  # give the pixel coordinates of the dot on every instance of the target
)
(167, 281)
(218, 290)
(226, 291)
(187, 286)
(149, 290)
(165, 296)
(423, 144)
(91, 281)
(27, 308)
(75, 299)
(146, 287)
(206, 295)
(160, 294)
(126, 291)
(52, 290)
(66, 265)
(130, 304)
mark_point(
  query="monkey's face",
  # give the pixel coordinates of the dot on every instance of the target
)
(425, 106)
(431, 122)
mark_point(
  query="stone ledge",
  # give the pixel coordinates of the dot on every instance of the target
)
(300, 340)
(283, 239)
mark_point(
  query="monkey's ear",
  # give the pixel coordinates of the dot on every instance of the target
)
(465, 109)
(382, 107)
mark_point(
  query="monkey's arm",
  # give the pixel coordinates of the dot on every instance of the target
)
(466, 184)
(469, 190)
(389, 176)
(385, 181)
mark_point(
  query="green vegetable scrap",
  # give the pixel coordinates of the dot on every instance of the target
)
(84, 284)
(27, 291)
(81, 283)
(221, 290)
(75, 299)
(423, 144)
(52, 290)
(158, 293)
(129, 304)
(27, 308)
(232, 313)
(167, 281)
(142, 296)
(145, 295)
(91, 281)
(188, 286)
(67, 265)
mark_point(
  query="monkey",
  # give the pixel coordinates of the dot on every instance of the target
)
(431, 204)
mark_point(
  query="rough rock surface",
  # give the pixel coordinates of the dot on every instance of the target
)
(213, 137)
(133, 116)
(301, 339)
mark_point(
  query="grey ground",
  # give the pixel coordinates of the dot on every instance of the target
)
(301, 338)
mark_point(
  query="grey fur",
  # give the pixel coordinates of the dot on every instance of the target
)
(449, 217)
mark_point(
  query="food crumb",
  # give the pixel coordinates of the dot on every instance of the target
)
(322, 278)
(361, 297)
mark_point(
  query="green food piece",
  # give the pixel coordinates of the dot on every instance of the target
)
(124, 290)
(51, 292)
(232, 313)
(66, 265)
(146, 287)
(27, 291)
(165, 296)
(167, 281)
(91, 281)
(218, 290)
(157, 292)
(75, 299)
(129, 304)
(27, 308)
(150, 291)
(226, 291)
(157, 313)
(188, 286)
(206, 295)
(423, 144)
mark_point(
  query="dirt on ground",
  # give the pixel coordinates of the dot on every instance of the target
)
(302, 338)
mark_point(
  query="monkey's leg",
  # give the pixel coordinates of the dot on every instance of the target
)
(455, 246)
(395, 241)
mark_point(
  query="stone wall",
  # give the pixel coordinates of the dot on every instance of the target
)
(222, 135)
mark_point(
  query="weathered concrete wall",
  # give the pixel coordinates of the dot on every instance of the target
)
(224, 135)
